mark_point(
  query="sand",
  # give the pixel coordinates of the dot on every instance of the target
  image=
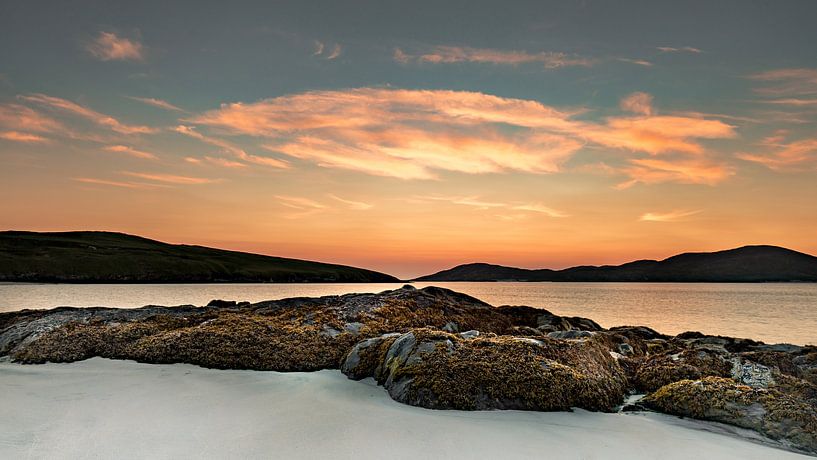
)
(121, 409)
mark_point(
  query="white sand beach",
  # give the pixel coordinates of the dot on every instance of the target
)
(121, 409)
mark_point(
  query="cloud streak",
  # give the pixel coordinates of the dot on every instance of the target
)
(671, 216)
(131, 151)
(25, 138)
(121, 184)
(87, 113)
(108, 46)
(683, 49)
(171, 178)
(787, 81)
(459, 54)
(355, 205)
(157, 103)
(478, 203)
(779, 155)
(232, 149)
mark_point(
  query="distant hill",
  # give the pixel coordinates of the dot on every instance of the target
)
(107, 257)
(746, 264)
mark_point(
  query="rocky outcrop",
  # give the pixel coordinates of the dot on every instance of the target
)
(440, 349)
(769, 411)
(439, 370)
(286, 335)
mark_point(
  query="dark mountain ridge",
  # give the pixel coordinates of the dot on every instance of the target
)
(109, 257)
(744, 264)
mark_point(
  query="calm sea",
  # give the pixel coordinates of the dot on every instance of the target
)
(768, 312)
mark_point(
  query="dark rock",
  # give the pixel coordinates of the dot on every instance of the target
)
(574, 334)
(218, 303)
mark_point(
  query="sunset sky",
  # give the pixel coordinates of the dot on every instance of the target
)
(409, 137)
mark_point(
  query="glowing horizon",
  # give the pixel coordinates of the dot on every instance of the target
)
(561, 135)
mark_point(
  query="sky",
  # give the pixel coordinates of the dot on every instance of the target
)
(409, 137)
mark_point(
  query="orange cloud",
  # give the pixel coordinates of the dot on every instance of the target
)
(671, 216)
(658, 134)
(781, 155)
(131, 151)
(87, 113)
(414, 134)
(455, 54)
(682, 170)
(18, 117)
(108, 46)
(27, 138)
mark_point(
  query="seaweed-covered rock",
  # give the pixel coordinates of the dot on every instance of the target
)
(775, 414)
(438, 370)
(691, 363)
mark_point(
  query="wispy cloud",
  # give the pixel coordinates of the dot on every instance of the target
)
(230, 148)
(687, 170)
(157, 103)
(335, 52)
(131, 151)
(108, 46)
(477, 202)
(322, 50)
(319, 47)
(356, 205)
(87, 113)
(641, 62)
(26, 138)
(682, 49)
(456, 54)
(792, 101)
(787, 82)
(298, 202)
(171, 178)
(121, 184)
(414, 134)
(536, 207)
(671, 216)
(781, 155)
(473, 201)
(638, 102)
(16, 117)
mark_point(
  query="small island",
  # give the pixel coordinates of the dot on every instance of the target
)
(747, 264)
(439, 349)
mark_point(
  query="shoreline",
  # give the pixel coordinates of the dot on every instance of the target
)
(104, 408)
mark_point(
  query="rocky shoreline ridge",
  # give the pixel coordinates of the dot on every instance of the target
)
(439, 349)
